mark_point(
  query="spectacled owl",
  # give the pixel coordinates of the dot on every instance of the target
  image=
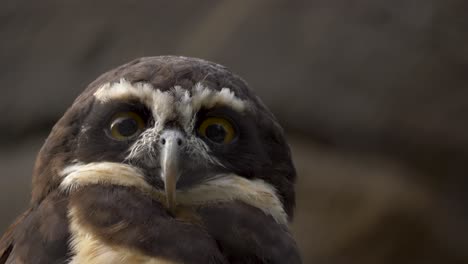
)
(161, 160)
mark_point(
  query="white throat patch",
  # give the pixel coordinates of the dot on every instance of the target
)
(226, 188)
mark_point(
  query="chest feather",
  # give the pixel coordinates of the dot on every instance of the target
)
(89, 249)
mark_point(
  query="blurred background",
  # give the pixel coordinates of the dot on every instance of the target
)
(373, 95)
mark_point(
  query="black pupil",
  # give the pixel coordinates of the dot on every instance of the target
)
(215, 133)
(127, 127)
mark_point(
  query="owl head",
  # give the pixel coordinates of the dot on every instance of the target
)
(183, 129)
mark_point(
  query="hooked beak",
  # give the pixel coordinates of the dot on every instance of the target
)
(171, 143)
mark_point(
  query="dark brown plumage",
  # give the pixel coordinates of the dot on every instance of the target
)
(94, 192)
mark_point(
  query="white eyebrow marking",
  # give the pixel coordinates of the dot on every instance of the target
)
(175, 104)
(163, 103)
(160, 103)
(202, 96)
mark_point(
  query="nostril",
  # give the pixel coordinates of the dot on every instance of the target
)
(171, 139)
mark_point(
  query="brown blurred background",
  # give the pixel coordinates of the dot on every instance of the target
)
(373, 95)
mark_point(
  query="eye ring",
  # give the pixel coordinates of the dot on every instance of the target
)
(218, 130)
(126, 125)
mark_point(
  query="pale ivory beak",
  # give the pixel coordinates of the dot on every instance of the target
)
(171, 143)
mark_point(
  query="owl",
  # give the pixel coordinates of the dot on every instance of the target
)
(162, 160)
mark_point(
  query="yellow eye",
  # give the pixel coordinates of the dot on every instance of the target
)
(218, 130)
(126, 125)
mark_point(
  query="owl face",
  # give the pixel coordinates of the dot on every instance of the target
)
(183, 130)
(175, 139)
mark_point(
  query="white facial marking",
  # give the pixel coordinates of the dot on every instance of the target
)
(222, 188)
(176, 103)
(169, 103)
(75, 176)
(231, 187)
